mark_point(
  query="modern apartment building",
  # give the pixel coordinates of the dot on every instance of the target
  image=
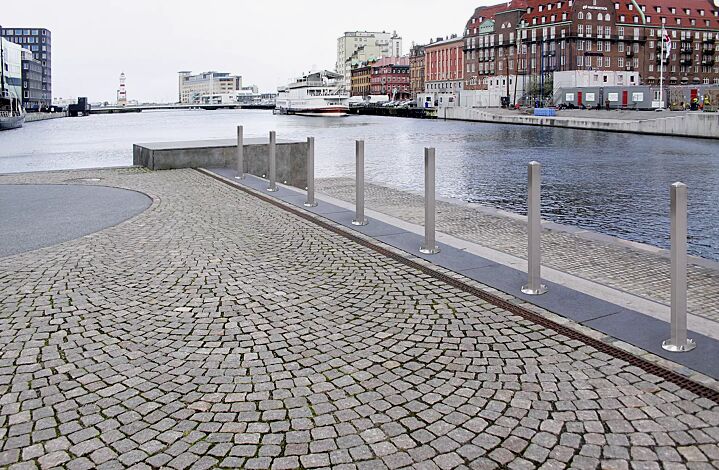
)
(38, 41)
(527, 40)
(416, 70)
(207, 87)
(357, 47)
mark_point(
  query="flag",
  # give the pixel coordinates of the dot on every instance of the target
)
(667, 43)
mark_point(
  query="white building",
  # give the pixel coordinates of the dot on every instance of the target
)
(593, 78)
(12, 58)
(356, 47)
(201, 88)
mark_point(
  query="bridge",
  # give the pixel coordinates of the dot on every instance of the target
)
(156, 107)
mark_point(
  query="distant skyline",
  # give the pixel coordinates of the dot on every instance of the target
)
(267, 42)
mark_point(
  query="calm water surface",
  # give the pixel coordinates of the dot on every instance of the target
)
(617, 184)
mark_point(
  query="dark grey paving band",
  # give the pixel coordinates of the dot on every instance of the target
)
(666, 374)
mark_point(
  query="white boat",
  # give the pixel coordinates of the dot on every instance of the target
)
(12, 115)
(315, 94)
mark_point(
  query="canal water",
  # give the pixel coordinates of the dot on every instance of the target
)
(617, 184)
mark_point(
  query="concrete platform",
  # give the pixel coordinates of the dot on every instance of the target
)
(630, 326)
(291, 157)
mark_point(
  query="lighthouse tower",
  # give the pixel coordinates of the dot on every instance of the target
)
(121, 93)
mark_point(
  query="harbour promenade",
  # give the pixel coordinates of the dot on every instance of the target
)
(638, 270)
(220, 328)
(670, 123)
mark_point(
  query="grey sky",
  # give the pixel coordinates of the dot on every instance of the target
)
(265, 41)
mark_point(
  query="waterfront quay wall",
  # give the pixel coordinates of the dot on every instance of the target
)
(291, 157)
(705, 125)
(34, 117)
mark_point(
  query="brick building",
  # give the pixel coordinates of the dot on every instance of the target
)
(416, 70)
(444, 68)
(390, 76)
(525, 41)
(361, 80)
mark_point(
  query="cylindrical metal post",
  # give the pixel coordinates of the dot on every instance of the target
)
(240, 154)
(311, 173)
(272, 162)
(430, 246)
(359, 219)
(534, 232)
(679, 341)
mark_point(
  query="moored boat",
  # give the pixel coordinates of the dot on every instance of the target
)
(315, 94)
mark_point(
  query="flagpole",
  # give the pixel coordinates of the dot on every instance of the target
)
(661, 73)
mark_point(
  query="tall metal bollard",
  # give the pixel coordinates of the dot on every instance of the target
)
(430, 246)
(311, 173)
(359, 219)
(679, 341)
(534, 232)
(240, 154)
(272, 162)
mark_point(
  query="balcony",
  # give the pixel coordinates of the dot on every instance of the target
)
(686, 49)
(685, 61)
(663, 61)
(708, 61)
(630, 52)
(708, 51)
(709, 40)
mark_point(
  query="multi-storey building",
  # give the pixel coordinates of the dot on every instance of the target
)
(521, 43)
(207, 87)
(390, 76)
(357, 47)
(416, 70)
(444, 69)
(361, 76)
(38, 42)
(32, 90)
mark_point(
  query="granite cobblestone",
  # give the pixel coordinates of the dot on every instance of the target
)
(215, 330)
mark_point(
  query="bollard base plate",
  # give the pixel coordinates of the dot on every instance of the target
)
(240, 177)
(529, 291)
(668, 345)
(272, 190)
(310, 204)
(360, 222)
(429, 251)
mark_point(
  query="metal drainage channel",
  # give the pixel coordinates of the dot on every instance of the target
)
(666, 374)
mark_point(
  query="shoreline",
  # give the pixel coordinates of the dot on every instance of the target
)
(688, 124)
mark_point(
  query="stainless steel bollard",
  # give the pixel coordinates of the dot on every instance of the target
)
(272, 162)
(534, 232)
(311, 173)
(430, 246)
(359, 219)
(679, 341)
(240, 154)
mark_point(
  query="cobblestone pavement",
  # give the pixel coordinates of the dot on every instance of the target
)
(638, 272)
(217, 330)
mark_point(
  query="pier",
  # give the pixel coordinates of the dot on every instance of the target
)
(161, 107)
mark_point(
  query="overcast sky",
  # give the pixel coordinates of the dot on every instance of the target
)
(268, 42)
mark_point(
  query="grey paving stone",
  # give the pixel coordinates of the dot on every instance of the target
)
(183, 338)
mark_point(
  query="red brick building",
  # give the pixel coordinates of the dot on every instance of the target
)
(444, 65)
(390, 76)
(530, 39)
